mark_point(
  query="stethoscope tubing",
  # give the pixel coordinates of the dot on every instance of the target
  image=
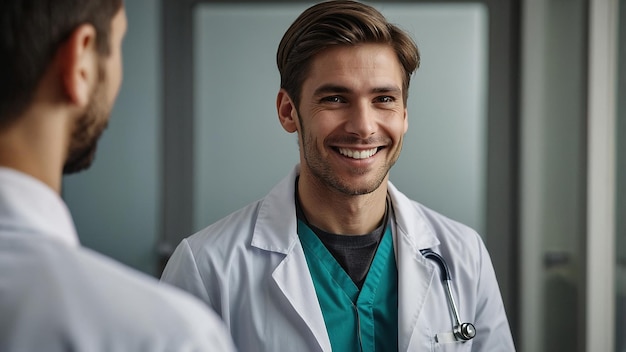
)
(463, 331)
(453, 307)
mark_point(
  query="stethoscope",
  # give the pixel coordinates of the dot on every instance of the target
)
(462, 331)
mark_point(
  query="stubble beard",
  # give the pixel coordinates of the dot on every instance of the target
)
(87, 131)
(324, 174)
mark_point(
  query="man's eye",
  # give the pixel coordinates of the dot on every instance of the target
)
(332, 99)
(385, 99)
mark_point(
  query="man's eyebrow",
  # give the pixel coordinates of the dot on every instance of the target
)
(387, 89)
(330, 89)
(336, 89)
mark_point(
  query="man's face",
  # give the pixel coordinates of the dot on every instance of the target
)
(351, 117)
(91, 124)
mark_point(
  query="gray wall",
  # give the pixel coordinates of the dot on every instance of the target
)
(115, 204)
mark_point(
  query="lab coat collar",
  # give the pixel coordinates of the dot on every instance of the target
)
(410, 221)
(29, 206)
(276, 228)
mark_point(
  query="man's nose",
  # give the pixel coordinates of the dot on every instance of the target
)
(362, 120)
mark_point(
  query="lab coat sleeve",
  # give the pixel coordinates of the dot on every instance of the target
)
(182, 271)
(492, 327)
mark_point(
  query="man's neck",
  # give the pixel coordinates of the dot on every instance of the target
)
(338, 213)
(35, 148)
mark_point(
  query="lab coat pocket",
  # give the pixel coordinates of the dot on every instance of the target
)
(446, 342)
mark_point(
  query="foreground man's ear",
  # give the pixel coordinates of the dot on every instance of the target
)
(78, 62)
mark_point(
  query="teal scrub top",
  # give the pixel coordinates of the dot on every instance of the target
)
(355, 321)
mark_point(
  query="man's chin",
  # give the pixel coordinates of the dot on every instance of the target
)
(80, 163)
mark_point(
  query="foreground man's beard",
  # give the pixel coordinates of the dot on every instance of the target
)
(87, 130)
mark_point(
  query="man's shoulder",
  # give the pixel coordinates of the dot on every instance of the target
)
(438, 219)
(446, 229)
(86, 297)
(174, 316)
(231, 229)
(271, 214)
(146, 293)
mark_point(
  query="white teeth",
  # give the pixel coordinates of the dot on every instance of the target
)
(356, 154)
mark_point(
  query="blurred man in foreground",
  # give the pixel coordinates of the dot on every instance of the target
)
(60, 74)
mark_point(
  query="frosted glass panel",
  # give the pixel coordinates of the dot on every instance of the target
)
(241, 151)
(620, 244)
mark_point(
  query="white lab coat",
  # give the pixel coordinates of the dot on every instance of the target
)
(56, 296)
(251, 269)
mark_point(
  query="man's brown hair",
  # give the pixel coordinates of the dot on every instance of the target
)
(339, 22)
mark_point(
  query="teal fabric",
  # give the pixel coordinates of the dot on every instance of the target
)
(355, 321)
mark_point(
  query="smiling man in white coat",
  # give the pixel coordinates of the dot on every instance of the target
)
(335, 258)
(60, 72)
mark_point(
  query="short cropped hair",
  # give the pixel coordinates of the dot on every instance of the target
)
(31, 31)
(339, 23)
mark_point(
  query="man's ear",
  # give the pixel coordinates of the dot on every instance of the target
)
(287, 112)
(406, 120)
(78, 60)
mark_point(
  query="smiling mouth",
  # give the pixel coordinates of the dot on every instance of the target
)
(357, 154)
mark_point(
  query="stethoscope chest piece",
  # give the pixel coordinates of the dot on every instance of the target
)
(465, 331)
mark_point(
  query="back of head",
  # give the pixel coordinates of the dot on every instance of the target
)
(30, 33)
(338, 22)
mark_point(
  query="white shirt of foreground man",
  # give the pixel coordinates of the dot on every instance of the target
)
(57, 296)
(61, 70)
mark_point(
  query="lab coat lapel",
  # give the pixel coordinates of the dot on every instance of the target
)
(415, 280)
(415, 275)
(293, 278)
(276, 231)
